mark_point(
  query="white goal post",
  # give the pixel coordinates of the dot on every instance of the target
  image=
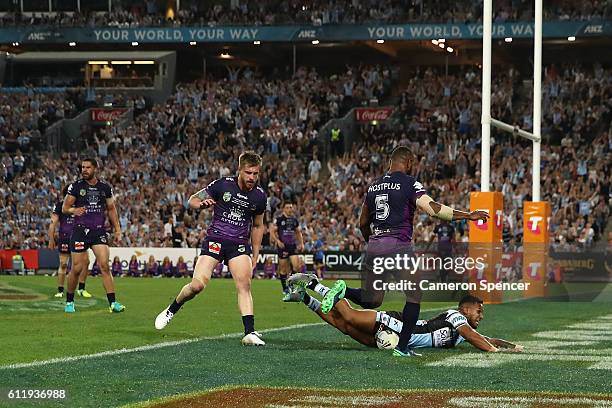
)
(487, 121)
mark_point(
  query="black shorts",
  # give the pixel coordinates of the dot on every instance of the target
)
(63, 244)
(223, 250)
(84, 238)
(287, 251)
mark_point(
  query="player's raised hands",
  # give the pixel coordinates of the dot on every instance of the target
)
(209, 202)
(479, 215)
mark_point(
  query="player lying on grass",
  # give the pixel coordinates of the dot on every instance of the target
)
(381, 329)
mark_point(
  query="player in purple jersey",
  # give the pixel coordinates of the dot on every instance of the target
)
(88, 200)
(286, 233)
(446, 240)
(63, 245)
(386, 223)
(238, 210)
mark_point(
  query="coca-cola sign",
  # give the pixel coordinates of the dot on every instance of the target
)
(370, 114)
(106, 115)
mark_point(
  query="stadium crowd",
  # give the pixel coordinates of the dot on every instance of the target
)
(24, 117)
(131, 13)
(185, 143)
(173, 149)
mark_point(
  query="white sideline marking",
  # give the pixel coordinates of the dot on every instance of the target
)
(147, 347)
(162, 345)
(470, 402)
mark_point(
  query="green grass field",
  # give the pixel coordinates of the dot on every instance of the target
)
(568, 348)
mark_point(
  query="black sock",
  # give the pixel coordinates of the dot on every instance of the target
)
(283, 279)
(306, 299)
(81, 286)
(410, 315)
(175, 306)
(249, 324)
(110, 297)
(312, 284)
(60, 289)
(69, 297)
(354, 295)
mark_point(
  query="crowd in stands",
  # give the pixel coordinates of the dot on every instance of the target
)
(158, 161)
(130, 13)
(25, 116)
(174, 149)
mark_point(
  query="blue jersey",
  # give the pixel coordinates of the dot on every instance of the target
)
(234, 209)
(440, 332)
(391, 201)
(287, 227)
(93, 198)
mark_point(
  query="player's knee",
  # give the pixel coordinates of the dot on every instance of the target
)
(243, 285)
(197, 286)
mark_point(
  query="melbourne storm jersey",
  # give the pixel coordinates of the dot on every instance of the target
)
(445, 233)
(66, 221)
(93, 198)
(391, 201)
(441, 331)
(287, 227)
(234, 209)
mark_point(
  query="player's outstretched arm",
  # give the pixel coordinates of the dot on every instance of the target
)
(505, 344)
(476, 339)
(201, 199)
(443, 212)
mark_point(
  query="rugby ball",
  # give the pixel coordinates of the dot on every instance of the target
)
(386, 339)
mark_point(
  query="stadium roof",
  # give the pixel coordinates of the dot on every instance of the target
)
(76, 56)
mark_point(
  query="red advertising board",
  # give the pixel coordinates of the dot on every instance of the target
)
(370, 114)
(106, 115)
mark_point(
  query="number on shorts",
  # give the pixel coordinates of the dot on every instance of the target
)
(382, 207)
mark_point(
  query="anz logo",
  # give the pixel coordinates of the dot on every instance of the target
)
(595, 29)
(307, 34)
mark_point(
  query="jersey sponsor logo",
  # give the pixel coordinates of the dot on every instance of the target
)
(227, 196)
(418, 187)
(214, 248)
(242, 196)
(441, 337)
(384, 186)
(457, 319)
(79, 245)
